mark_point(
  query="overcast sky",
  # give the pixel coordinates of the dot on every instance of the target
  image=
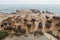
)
(29, 1)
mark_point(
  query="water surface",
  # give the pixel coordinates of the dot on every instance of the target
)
(12, 8)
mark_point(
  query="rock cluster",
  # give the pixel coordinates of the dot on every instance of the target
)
(20, 24)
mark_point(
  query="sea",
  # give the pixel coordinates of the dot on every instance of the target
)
(13, 7)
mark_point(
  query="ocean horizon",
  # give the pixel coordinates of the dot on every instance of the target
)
(12, 8)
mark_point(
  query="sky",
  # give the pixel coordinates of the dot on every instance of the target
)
(29, 1)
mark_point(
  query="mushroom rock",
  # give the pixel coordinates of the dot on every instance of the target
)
(5, 23)
(43, 12)
(9, 23)
(25, 20)
(47, 17)
(35, 33)
(5, 28)
(35, 10)
(13, 13)
(23, 31)
(58, 30)
(33, 20)
(50, 32)
(58, 24)
(15, 29)
(41, 33)
(57, 37)
(56, 17)
(38, 32)
(28, 25)
(9, 18)
(19, 26)
(2, 25)
(17, 11)
(40, 25)
(25, 11)
(18, 19)
(9, 27)
(49, 21)
(47, 11)
(48, 25)
(4, 20)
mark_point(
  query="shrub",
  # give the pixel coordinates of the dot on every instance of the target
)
(3, 34)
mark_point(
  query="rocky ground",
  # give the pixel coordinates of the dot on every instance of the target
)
(35, 14)
(30, 37)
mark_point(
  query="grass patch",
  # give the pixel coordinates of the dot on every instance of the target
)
(3, 34)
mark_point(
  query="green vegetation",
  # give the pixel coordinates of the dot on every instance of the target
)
(3, 34)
